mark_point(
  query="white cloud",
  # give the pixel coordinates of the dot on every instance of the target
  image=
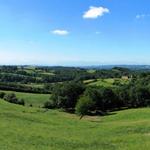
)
(60, 32)
(95, 12)
(141, 16)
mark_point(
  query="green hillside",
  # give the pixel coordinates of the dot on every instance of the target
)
(111, 82)
(36, 100)
(23, 128)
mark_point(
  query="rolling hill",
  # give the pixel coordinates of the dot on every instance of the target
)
(24, 128)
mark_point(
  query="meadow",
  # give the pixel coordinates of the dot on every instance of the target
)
(110, 82)
(39, 128)
(24, 128)
(36, 100)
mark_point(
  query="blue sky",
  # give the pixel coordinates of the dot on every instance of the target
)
(74, 32)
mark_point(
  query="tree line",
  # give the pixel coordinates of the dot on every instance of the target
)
(17, 78)
(85, 100)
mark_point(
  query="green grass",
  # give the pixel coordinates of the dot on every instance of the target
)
(35, 85)
(91, 71)
(47, 73)
(24, 128)
(37, 100)
(106, 82)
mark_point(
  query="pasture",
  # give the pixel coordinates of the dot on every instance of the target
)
(111, 82)
(24, 128)
(36, 100)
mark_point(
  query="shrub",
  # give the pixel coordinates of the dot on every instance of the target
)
(49, 105)
(30, 105)
(2, 94)
(21, 102)
(11, 98)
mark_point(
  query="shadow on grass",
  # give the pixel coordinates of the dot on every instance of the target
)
(101, 113)
(96, 112)
(93, 114)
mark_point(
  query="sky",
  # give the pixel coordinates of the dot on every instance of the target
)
(74, 32)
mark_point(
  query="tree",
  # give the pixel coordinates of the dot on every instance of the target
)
(66, 95)
(83, 106)
(108, 98)
(95, 95)
(139, 96)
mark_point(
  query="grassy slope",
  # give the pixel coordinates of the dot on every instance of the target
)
(106, 82)
(23, 128)
(35, 99)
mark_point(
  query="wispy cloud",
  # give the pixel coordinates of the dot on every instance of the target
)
(97, 32)
(141, 16)
(60, 32)
(95, 12)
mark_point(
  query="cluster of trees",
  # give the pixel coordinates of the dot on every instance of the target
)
(65, 95)
(115, 72)
(76, 97)
(8, 69)
(60, 74)
(22, 88)
(68, 74)
(101, 100)
(7, 77)
(72, 94)
(11, 98)
(17, 78)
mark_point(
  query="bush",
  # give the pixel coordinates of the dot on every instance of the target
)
(21, 102)
(49, 105)
(30, 105)
(11, 98)
(2, 94)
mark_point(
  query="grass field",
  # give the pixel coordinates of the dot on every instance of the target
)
(37, 100)
(35, 85)
(106, 82)
(24, 128)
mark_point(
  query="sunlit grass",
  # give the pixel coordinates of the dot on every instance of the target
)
(24, 128)
(36, 100)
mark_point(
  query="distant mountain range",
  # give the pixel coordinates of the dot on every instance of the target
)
(97, 67)
(133, 67)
